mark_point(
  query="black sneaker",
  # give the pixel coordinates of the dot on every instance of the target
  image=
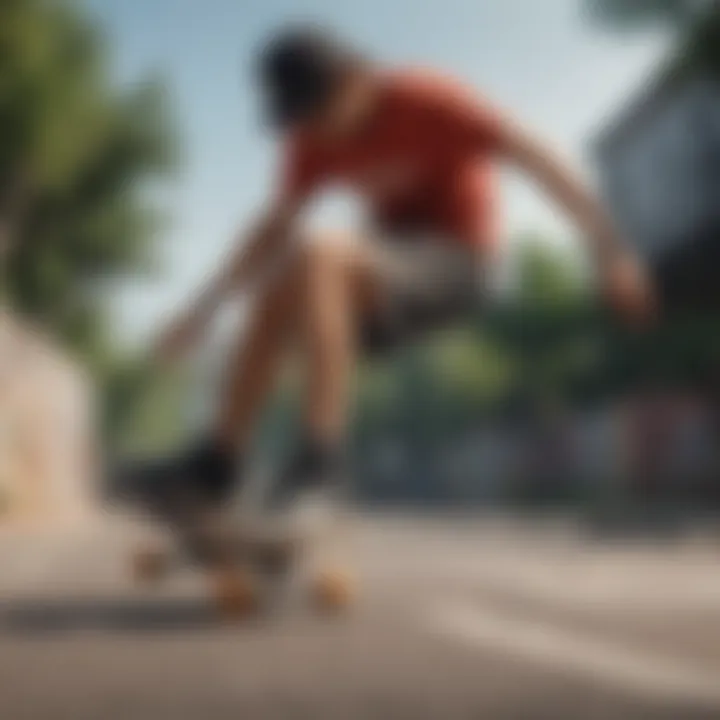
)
(311, 489)
(202, 477)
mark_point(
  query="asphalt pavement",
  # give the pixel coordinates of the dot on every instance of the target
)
(454, 618)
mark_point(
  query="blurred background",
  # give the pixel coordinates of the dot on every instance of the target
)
(131, 150)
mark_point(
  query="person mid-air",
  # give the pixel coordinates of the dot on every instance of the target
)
(420, 150)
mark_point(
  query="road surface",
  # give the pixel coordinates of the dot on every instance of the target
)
(456, 619)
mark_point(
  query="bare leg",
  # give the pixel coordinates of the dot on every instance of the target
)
(254, 364)
(337, 287)
(318, 297)
(319, 294)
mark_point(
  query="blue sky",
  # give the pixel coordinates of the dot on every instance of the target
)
(535, 58)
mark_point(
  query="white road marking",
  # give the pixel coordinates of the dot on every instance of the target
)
(624, 668)
(596, 585)
(612, 584)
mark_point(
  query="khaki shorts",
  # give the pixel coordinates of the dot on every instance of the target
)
(427, 284)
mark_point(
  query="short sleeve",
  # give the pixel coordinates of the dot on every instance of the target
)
(475, 118)
(459, 113)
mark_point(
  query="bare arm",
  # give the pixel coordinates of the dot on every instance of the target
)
(561, 183)
(623, 278)
(466, 116)
(250, 258)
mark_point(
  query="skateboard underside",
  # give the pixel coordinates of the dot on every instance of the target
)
(253, 561)
(251, 557)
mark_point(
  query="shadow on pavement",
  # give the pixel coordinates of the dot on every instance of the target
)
(41, 617)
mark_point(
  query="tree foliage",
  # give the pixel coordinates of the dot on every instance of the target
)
(77, 156)
(695, 25)
(80, 156)
(634, 14)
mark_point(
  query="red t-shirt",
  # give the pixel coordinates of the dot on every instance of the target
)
(422, 162)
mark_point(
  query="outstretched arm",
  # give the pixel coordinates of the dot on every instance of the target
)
(622, 277)
(254, 252)
(251, 256)
(462, 114)
(562, 185)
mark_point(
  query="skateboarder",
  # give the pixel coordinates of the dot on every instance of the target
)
(420, 150)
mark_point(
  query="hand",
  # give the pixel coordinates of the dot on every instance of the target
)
(628, 288)
(179, 336)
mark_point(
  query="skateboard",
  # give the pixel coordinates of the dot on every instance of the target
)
(253, 559)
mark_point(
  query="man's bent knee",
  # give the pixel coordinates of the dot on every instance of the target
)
(327, 252)
(307, 263)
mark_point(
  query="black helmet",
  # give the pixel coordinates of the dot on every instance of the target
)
(299, 69)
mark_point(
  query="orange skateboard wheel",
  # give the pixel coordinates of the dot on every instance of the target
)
(149, 565)
(333, 590)
(236, 596)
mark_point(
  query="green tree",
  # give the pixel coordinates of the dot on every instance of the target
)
(544, 328)
(77, 155)
(548, 274)
(80, 158)
(634, 14)
(695, 25)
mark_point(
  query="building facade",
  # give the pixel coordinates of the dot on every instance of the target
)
(659, 169)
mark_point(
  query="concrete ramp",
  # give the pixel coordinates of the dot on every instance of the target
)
(48, 449)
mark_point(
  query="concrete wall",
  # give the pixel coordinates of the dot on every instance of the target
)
(47, 444)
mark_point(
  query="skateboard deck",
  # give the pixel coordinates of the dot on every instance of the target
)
(252, 558)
